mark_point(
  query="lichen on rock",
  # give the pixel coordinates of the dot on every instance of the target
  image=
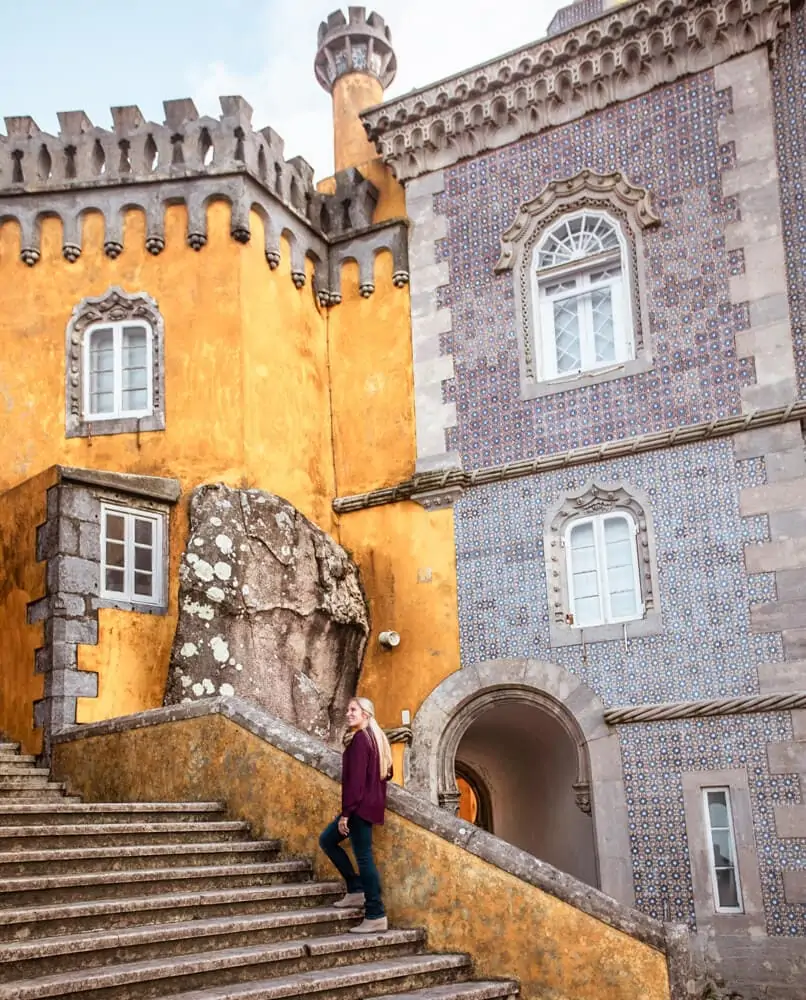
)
(284, 624)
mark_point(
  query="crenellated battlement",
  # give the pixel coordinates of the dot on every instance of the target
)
(191, 160)
(136, 151)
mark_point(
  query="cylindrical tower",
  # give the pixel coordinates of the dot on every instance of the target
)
(354, 63)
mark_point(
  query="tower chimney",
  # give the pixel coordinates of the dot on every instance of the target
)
(354, 63)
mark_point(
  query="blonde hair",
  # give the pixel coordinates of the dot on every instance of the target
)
(378, 735)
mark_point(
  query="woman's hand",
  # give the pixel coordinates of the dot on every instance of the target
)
(344, 829)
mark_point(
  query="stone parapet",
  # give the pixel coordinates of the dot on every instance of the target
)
(627, 51)
(195, 161)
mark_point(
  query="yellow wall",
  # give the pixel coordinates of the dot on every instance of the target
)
(22, 579)
(372, 383)
(352, 94)
(218, 304)
(264, 389)
(408, 565)
(512, 929)
(247, 402)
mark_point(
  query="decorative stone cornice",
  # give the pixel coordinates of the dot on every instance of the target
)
(194, 161)
(442, 481)
(628, 51)
(588, 188)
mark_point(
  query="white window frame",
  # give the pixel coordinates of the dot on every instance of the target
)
(580, 270)
(598, 521)
(117, 411)
(710, 850)
(128, 595)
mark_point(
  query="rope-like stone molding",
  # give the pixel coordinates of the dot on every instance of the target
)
(705, 709)
(459, 479)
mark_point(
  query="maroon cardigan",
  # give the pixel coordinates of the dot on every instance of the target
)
(362, 791)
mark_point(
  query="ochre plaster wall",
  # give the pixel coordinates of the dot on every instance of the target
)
(372, 383)
(247, 403)
(408, 565)
(352, 94)
(22, 579)
(511, 928)
(245, 358)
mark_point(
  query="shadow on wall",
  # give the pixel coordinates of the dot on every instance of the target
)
(527, 763)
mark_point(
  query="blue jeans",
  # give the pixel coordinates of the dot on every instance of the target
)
(367, 880)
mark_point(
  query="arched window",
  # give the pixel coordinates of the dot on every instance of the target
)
(115, 368)
(578, 260)
(603, 582)
(118, 370)
(581, 294)
(601, 566)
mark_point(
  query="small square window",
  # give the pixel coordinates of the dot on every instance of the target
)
(132, 555)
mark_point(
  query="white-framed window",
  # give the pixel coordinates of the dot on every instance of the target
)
(722, 860)
(118, 370)
(132, 555)
(580, 279)
(602, 570)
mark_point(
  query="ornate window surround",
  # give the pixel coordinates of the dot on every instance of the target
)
(599, 498)
(115, 305)
(631, 209)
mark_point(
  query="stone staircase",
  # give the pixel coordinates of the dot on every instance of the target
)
(164, 899)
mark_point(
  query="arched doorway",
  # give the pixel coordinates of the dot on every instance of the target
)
(535, 769)
(572, 716)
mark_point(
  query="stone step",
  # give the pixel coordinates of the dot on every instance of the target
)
(47, 956)
(30, 778)
(111, 812)
(28, 922)
(10, 768)
(472, 990)
(41, 837)
(354, 982)
(57, 793)
(136, 980)
(10, 757)
(6, 747)
(75, 860)
(31, 890)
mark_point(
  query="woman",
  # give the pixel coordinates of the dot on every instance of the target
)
(366, 768)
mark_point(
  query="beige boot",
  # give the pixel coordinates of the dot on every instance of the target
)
(376, 926)
(352, 899)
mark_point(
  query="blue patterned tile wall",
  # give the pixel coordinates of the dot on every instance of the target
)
(666, 141)
(706, 649)
(654, 756)
(789, 87)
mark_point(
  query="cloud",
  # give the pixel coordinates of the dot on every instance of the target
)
(432, 40)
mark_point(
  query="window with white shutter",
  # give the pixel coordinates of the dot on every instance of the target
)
(132, 555)
(603, 581)
(118, 371)
(583, 319)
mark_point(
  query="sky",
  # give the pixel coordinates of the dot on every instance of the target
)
(92, 54)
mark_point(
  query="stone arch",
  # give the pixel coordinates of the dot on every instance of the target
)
(465, 695)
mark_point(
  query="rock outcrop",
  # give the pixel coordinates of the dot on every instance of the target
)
(270, 608)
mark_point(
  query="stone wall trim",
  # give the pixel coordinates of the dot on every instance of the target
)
(441, 478)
